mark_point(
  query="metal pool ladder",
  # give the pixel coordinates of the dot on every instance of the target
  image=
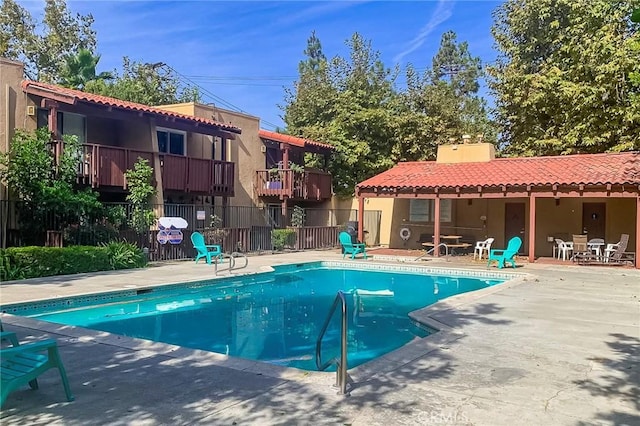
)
(341, 363)
(446, 251)
(232, 261)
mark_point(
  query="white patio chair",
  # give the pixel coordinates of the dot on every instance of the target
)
(481, 247)
(564, 249)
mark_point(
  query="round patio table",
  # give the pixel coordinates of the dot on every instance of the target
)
(595, 248)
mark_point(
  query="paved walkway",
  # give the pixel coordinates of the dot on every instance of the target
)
(561, 347)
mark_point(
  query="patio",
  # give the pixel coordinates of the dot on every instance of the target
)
(559, 347)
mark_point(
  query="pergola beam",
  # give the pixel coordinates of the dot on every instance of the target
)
(617, 191)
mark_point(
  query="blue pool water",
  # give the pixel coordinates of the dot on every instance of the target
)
(275, 317)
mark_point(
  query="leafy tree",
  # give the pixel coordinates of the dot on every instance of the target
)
(44, 46)
(346, 102)
(634, 76)
(17, 30)
(140, 192)
(80, 69)
(45, 190)
(353, 103)
(443, 103)
(148, 84)
(562, 78)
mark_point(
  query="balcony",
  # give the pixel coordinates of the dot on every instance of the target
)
(104, 166)
(308, 185)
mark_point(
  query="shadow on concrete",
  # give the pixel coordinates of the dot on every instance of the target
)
(620, 380)
(478, 313)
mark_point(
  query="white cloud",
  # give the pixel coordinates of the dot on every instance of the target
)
(443, 12)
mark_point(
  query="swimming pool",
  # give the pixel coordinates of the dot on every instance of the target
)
(274, 317)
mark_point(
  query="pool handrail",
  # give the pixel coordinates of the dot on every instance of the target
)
(232, 261)
(427, 252)
(341, 373)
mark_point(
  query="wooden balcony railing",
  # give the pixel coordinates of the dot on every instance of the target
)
(308, 185)
(199, 175)
(103, 165)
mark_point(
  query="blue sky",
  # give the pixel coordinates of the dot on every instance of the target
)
(243, 53)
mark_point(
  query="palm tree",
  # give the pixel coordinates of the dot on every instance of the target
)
(80, 69)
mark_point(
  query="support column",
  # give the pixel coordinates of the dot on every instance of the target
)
(361, 219)
(287, 185)
(52, 123)
(157, 165)
(436, 228)
(638, 232)
(285, 214)
(225, 216)
(532, 228)
(285, 156)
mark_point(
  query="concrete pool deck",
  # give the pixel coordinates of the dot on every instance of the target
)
(558, 347)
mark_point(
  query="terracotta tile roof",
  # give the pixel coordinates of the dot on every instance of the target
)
(41, 89)
(292, 140)
(587, 169)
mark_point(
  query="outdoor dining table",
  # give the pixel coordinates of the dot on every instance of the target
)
(452, 242)
(595, 247)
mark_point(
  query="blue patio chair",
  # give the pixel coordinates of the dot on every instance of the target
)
(22, 364)
(203, 250)
(351, 248)
(506, 255)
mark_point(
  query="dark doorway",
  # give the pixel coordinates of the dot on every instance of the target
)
(593, 219)
(514, 223)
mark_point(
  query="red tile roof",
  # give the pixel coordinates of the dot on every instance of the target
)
(587, 169)
(292, 140)
(42, 89)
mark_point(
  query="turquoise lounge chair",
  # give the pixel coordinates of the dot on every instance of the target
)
(351, 248)
(22, 364)
(507, 255)
(204, 250)
(8, 335)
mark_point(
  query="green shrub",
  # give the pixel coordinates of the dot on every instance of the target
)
(283, 237)
(123, 255)
(33, 262)
(8, 269)
(89, 234)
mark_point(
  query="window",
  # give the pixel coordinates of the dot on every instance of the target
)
(171, 141)
(72, 124)
(419, 210)
(68, 123)
(424, 210)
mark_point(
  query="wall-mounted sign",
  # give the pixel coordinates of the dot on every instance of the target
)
(172, 223)
(175, 236)
(162, 237)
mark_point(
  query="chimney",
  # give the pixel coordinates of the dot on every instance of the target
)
(466, 151)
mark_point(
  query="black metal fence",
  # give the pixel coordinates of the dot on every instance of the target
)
(241, 228)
